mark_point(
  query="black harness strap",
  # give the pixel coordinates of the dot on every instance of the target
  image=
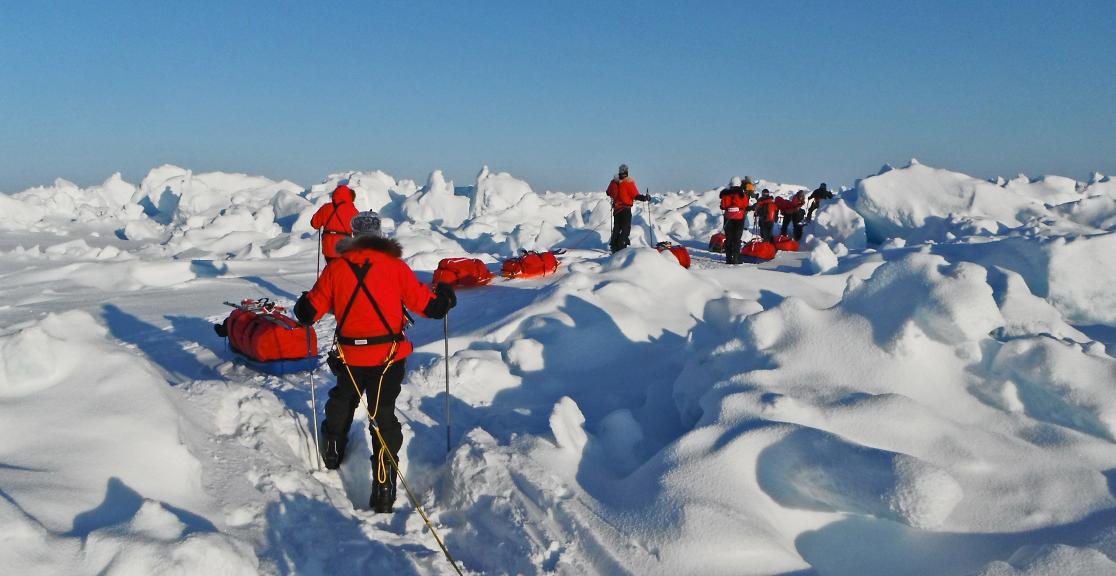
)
(332, 217)
(361, 272)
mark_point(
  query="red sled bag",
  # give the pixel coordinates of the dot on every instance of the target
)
(531, 265)
(462, 272)
(679, 252)
(758, 249)
(785, 243)
(717, 243)
(260, 331)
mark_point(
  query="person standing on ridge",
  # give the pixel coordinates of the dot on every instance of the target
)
(624, 193)
(766, 212)
(792, 212)
(368, 288)
(734, 203)
(816, 197)
(334, 219)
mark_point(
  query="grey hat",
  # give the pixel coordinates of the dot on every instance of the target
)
(366, 223)
(623, 169)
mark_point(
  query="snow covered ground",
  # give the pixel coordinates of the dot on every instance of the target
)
(929, 387)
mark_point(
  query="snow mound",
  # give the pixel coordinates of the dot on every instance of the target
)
(814, 470)
(920, 203)
(951, 303)
(110, 489)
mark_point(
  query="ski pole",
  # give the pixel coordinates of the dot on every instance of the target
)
(319, 252)
(314, 399)
(650, 217)
(445, 333)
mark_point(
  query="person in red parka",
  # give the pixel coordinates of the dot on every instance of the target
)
(734, 203)
(368, 288)
(624, 192)
(792, 212)
(333, 220)
(766, 213)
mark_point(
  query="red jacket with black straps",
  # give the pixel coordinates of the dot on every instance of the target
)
(765, 209)
(334, 219)
(390, 282)
(623, 193)
(734, 202)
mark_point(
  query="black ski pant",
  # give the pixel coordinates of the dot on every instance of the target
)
(344, 399)
(734, 229)
(621, 229)
(767, 230)
(795, 218)
(810, 214)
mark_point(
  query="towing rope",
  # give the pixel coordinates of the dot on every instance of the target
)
(384, 448)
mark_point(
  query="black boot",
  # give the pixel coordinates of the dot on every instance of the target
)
(332, 449)
(383, 494)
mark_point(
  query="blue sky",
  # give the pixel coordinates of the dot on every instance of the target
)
(558, 93)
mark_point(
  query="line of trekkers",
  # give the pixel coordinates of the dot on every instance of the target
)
(369, 289)
(736, 202)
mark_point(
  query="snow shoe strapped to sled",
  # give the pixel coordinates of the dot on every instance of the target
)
(531, 264)
(717, 243)
(268, 339)
(680, 253)
(462, 272)
(785, 243)
(757, 249)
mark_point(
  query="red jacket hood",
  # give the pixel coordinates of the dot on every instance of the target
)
(343, 194)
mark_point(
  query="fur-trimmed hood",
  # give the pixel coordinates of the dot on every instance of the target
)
(627, 178)
(377, 243)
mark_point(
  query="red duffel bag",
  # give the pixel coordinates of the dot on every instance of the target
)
(462, 272)
(785, 243)
(679, 251)
(758, 249)
(531, 265)
(717, 243)
(260, 331)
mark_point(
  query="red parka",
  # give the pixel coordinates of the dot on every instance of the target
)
(334, 219)
(734, 202)
(789, 206)
(389, 281)
(765, 209)
(623, 193)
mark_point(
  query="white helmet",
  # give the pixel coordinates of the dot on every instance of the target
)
(735, 182)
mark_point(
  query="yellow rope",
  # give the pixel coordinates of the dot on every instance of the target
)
(384, 448)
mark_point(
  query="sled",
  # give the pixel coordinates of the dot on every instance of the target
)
(785, 243)
(758, 250)
(717, 243)
(531, 265)
(680, 253)
(267, 339)
(462, 272)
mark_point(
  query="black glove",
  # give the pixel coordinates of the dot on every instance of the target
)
(444, 299)
(304, 310)
(643, 197)
(445, 290)
(333, 360)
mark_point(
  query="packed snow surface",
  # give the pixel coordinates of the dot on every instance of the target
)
(928, 387)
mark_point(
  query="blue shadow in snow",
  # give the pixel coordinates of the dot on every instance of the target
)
(166, 348)
(309, 537)
(272, 288)
(121, 504)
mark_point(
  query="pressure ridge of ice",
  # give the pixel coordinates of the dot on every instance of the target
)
(928, 387)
